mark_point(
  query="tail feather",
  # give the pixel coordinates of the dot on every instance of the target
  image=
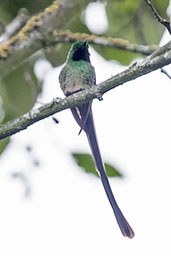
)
(80, 114)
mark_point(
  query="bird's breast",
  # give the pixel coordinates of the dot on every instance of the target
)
(75, 81)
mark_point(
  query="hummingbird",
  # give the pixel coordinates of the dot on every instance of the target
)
(78, 74)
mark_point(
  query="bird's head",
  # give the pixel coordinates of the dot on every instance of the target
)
(79, 51)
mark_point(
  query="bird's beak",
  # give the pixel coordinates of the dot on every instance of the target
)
(85, 42)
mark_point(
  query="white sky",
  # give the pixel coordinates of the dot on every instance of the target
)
(67, 212)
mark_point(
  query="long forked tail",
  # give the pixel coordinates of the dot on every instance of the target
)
(80, 114)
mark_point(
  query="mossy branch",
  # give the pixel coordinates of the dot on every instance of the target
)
(159, 59)
(118, 43)
(44, 30)
(31, 37)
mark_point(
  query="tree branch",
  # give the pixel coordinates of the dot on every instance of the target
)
(158, 17)
(16, 24)
(39, 33)
(31, 37)
(118, 43)
(146, 66)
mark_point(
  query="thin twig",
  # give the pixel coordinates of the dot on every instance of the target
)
(158, 17)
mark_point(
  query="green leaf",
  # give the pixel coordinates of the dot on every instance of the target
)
(86, 162)
(132, 21)
(57, 55)
(10, 8)
(3, 144)
(111, 171)
(17, 95)
(19, 90)
(124, 57)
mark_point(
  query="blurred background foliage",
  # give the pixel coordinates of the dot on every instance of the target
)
(127, 19)
(86, 162)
